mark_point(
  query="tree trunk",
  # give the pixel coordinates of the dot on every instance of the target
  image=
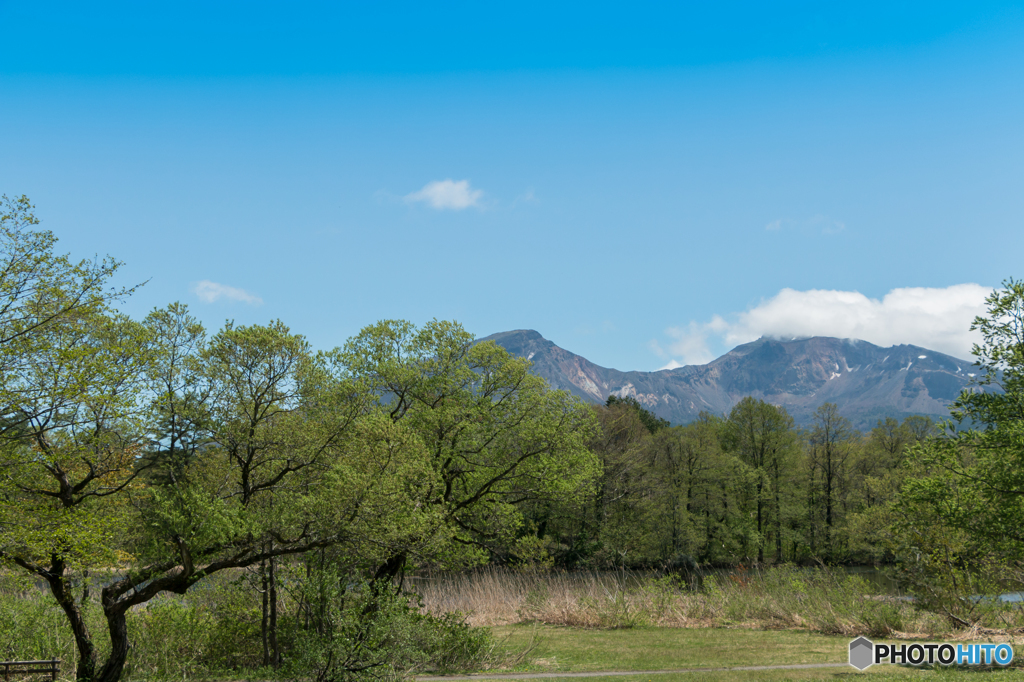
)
(119, 645)
(828, 503)
(777, 475)
(760, 522)
(86, 669)
(708, 532)
(265, 620)
(390, 569)
(275, 650)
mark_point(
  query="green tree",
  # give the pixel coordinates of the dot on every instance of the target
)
(71, 373)
(42, 293)
(763, 437)
(251, 431)
(877, 473)
(66, 476)
(715, 488)
(695, 492)
(496, 436)
(149, 447)
(831, 445)
(651, 421)
(621, 521)
(274, 475)
(959, 516)
(179, 418)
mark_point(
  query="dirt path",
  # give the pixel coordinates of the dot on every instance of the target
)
(620, 673)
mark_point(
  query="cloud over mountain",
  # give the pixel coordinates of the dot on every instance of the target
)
(938, 318)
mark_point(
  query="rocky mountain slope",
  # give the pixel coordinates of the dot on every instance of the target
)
(866, 381)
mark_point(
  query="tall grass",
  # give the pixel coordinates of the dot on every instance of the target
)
(205, 633)
(818, 600)
(214, 631)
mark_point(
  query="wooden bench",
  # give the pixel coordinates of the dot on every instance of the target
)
(30, 668)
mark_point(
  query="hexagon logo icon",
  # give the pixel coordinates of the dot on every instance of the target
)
(861, 653)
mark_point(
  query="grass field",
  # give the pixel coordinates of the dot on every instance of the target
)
(835, 674)
(561, 649)
(573, 649)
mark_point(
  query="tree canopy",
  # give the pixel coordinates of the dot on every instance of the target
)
(169, 455)
(958, 523)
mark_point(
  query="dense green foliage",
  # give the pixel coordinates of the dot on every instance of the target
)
(749, 487)
(958, 526)
(170, 456)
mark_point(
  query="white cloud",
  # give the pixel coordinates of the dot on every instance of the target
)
(211, 292)
(442, 194)
(934, 318)
(690, 343)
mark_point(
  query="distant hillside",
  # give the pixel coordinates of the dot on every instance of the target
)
(866, 381)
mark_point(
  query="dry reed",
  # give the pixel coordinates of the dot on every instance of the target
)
(778, 598)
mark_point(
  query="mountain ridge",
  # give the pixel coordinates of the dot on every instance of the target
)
(867, 382)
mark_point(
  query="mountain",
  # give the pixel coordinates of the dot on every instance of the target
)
(866, 381)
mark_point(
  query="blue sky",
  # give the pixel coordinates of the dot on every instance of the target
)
(644, 186)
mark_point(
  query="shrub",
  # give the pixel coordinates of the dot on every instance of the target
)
(372, 631)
